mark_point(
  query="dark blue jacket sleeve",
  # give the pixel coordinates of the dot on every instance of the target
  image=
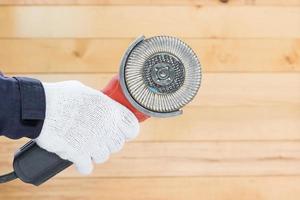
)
(22, 107)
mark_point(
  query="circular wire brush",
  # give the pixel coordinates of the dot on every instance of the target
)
(160, 75)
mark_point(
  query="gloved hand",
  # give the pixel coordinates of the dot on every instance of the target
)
(84, 125)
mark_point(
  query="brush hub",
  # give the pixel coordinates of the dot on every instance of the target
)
(163, 73)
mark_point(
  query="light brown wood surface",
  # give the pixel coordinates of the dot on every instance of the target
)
(104, 55)
(190, 159)
(131, 21)
(151, 2)
(122, 2)
(175, 188)
(239, 139)
(272, 107)
(227, 188)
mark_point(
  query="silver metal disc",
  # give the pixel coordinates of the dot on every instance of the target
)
(162, 74)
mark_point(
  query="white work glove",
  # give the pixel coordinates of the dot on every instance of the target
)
(84, 125)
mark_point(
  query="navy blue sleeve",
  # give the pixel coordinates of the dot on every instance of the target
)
(22, 107)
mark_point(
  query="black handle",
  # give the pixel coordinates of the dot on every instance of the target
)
(35, 165)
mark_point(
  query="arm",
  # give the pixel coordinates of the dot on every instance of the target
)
(22, 107)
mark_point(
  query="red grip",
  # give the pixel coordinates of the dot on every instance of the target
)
(114, 91)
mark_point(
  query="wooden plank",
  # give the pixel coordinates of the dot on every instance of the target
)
(168, 159)
(152, 2)
(218, 89)
(131, 21)
(127, 2)
(104, 55)
(228, 107)
(244, 123)
(216, 124)
(233, 188)
(277, 2)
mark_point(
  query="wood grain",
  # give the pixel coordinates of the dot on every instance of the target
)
(229, 188)
(104, 55)
(277, 2)
(238, 140)
(169, 159)
(127, 2)
(131, 21)
(217, 89)
(269, 109)
(152, 2)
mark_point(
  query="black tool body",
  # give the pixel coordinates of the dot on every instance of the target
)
(35, 165)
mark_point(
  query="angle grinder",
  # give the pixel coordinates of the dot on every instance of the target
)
(158, 76)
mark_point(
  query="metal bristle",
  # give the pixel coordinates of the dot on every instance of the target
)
(162, 74)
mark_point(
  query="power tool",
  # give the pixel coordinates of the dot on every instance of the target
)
(158, 76)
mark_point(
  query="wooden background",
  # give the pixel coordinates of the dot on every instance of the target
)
(238, 140)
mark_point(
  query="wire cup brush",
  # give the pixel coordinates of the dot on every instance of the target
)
(158, 76)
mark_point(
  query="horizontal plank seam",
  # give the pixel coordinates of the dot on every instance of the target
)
(182, 177)
(199, 5)
(132, 38)
(113, 73)
(221, 141)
